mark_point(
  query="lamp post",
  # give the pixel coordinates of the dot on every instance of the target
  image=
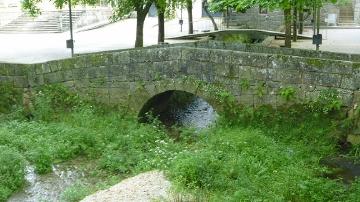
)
(70, 42)
(317, 37)
(181, 21)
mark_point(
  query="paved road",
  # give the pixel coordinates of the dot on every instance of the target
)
(334, 40)
(34, 48)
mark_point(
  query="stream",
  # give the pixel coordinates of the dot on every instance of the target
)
(47, 187)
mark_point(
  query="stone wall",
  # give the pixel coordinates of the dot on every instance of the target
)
(357, 12)
(274, 20)
(131, 77)
(252, 19)
(14, 74)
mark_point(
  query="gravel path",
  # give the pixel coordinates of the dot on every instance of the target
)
(144, 187)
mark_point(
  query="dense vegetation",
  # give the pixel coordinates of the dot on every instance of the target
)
(258, 154)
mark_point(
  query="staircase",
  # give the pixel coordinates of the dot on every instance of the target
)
(346, 17)
(47, 22)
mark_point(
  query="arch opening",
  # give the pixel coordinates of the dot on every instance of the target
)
(178, 108)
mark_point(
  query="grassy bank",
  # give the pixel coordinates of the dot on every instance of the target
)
(249, 155)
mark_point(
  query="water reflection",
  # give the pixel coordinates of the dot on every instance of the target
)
(181, 109)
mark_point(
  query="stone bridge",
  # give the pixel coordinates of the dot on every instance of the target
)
(254, 74)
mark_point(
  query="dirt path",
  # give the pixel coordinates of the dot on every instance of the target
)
(144, 187)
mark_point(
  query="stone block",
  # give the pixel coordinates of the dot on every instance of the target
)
(348, 83)
(6, 79)
(68, 75)
(96, 60)
(20, 81)
(197, 54)
(250, 59)
(79, 73)
(100, 94)
(121, 70)
(122, 57)
(53, 77)
(20, 70)
(118, 96)
(98, 82)
(171, 69)
(140, 71)
(82, 83)
(139, 56)
(246, 99)
(220, 56)
(45, 68)
(96, 72)
(329, 80)
(195, 68)
(245, 72)
(285, 62)
(288, 76)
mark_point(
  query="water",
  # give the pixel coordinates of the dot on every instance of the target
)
(181, 109)
(47, 187)
(342, 168)
(197, 114)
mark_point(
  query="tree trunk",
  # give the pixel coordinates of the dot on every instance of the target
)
(161, 21)
(287, 15)
(190, 16)
(209, 15)
(227, 17)
(140, 19)
(295, 24)
(301, 19)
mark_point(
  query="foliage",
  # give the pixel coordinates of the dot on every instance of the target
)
(246, 164)
(288, 93)
(75, 192)
(242, 38)
(12, 171)
(52, 99)
(10, 97)
(328, 101)
(245, 84)
(251, 154)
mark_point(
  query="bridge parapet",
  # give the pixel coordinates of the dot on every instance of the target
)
(133, 76)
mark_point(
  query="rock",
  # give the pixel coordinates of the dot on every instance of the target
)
(145, 187)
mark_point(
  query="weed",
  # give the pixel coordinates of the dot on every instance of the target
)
(10, 97)
(288, 93)
(12, 171)
(327, 102)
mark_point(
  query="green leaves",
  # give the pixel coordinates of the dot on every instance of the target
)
(12, 171)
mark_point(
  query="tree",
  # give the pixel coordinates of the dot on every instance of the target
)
(205, 6)
(189, 8)
(285, 5)
(161, 7)
(188, 4)
(121, 8)
(124, 7)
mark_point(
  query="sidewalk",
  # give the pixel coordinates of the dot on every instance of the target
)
(36, 48)
(334, 40)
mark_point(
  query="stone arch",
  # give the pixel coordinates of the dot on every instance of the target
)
(174, 107)
(141, 96)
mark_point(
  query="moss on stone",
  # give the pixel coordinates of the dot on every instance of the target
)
(315, 62)
(356, 65)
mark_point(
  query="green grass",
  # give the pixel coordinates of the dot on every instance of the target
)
(251, 155)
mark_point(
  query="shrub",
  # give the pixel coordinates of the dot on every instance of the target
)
(51, 99)
(12, 171)
(328, 101)
(9, 98)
